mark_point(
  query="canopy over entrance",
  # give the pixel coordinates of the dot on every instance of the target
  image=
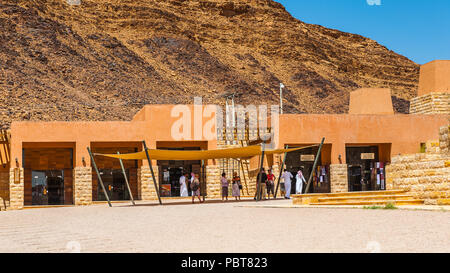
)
(244, 152)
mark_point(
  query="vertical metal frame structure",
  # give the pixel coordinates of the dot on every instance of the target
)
(157, 189)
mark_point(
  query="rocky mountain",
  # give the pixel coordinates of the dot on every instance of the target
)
(104, 59)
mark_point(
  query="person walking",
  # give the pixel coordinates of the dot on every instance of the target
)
(236, 186)
(195, 188)
(300, 179)
(183, 187)
(262, 186)
(287, 176)
(224, 183)
(270, 184)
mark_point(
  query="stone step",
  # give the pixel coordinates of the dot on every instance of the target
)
(366, 198)
(356, 193)
(371, 203)
(443, 201)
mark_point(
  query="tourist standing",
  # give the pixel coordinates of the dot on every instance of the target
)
(183, 187)
(270, 184)
(287, 176)
(262, 186)
(236, 186)
(300, 179)
(195, 188)
(224, 183)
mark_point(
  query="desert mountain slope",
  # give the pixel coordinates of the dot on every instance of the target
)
(104, 59)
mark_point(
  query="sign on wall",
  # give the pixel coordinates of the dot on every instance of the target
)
(307, 157)
(367, 155)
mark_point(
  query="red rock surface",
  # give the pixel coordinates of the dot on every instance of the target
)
(104, 59)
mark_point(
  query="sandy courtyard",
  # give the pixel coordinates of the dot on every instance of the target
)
(218, 227)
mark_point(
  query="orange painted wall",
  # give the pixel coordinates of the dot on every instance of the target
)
(404, 132)
(153, 123)
(434, 77)
(371, 101)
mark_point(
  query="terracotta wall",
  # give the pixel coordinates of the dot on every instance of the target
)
(401, 133)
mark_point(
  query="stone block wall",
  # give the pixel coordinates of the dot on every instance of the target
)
(425, 175)
(338, 178)
(82, 186)
(444, 140)
(213, 186)
(16, 189)
(432, 103)
(4, 190)
(146, 187)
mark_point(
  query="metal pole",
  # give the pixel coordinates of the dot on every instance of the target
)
(258, 188)
(314, 165)
(157, 189)
(99, 176)
(126, 178)
(281, 173)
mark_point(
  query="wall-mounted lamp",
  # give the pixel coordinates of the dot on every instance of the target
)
(83, 161)
(340, 159)
(17, 162)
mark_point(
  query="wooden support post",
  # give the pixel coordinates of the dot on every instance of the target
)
(157, 189)
(243, 173)
(281, 173)
(314, 165)
(99, 176)
(126, 179)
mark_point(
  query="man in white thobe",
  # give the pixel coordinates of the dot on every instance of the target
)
(287, 176)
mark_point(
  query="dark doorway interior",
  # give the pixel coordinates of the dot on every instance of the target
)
(115, 185)
(47, 187)
(304, 160)
(365, 172)
(170, 172)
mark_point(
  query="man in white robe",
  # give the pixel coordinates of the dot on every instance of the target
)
(183, 187)
(287, 176)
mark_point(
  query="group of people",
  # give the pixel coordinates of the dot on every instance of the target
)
(268, 181)
(266, 187)
(299, 179)
(236, 186)
(194, 186)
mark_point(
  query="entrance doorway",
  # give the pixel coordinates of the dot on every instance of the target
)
(47, 187)
(115, 185)
(170, 172)
(304, 160)
(365, 171)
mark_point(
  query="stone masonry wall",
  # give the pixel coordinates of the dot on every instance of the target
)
(432, 103)
(338, 178)
(213, 186)
(444, 140)
(425, 175)
(82, 186)
(4, 190)
(146, 187)
(16, 190)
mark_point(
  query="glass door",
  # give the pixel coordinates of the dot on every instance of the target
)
(47, 187)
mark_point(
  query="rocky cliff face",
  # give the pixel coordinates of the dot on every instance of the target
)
(104, 59)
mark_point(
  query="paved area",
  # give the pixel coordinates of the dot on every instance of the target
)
(222, 227)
